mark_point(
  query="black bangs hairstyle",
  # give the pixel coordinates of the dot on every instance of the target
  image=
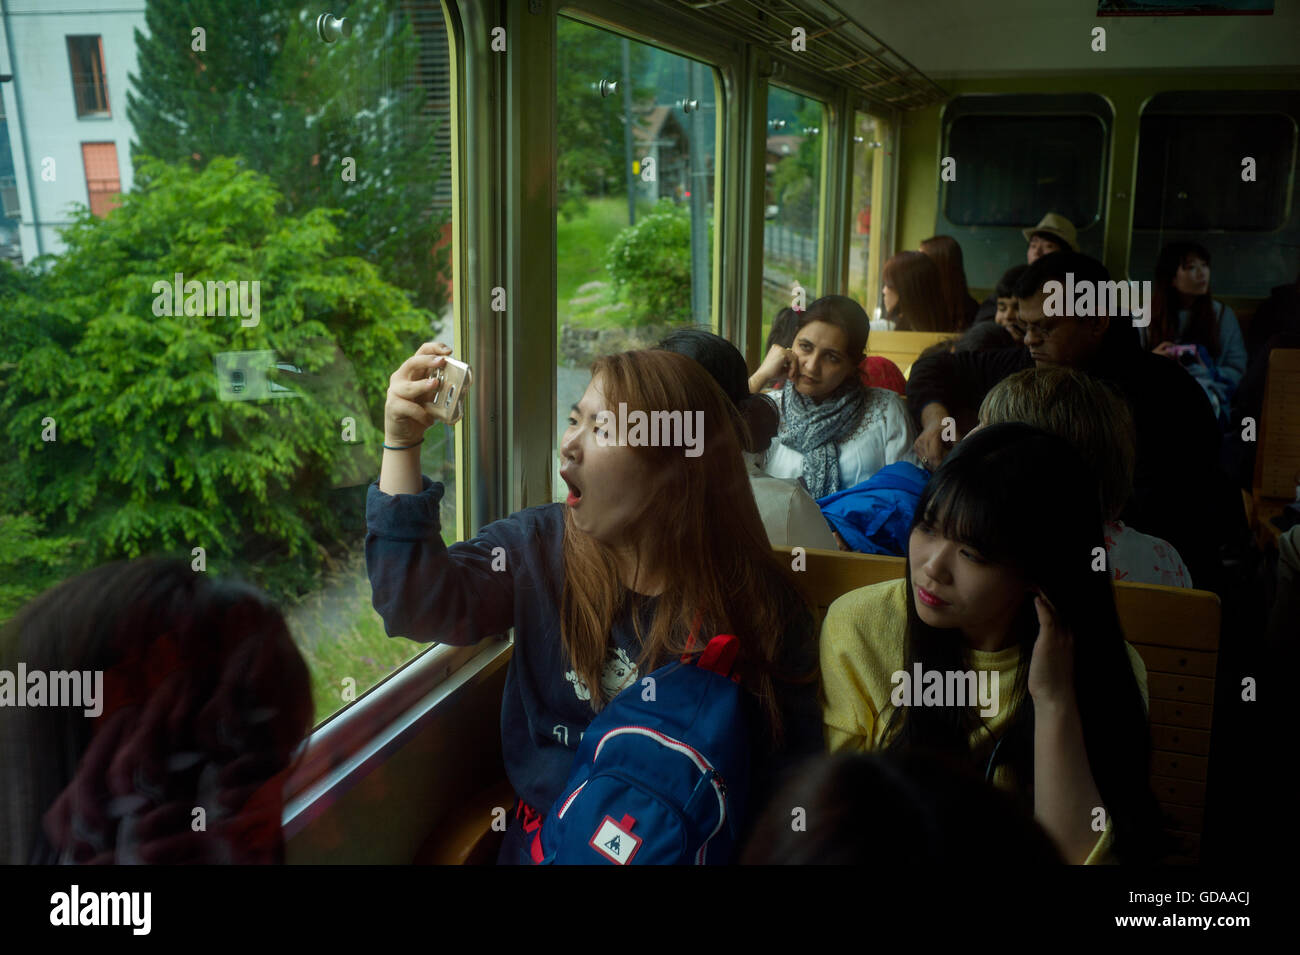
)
(1025, 500)
(1203, 326)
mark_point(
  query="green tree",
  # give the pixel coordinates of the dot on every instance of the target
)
(307, 114)
(650, 264)
(797, 178)
(147, 458)
(592, 150)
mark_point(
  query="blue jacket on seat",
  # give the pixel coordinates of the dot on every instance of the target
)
(875, 517)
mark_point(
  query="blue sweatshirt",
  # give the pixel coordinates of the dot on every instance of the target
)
(427, 591)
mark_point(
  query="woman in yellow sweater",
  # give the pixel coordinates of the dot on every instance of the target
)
(1003, 647)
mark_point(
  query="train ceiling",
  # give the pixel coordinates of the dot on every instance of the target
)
(898, 51)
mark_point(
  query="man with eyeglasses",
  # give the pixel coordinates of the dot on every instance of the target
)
(1177, 475)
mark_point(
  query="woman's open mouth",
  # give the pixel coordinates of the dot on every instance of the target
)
(575, 492)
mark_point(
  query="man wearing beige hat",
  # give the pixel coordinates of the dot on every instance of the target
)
(1054, 233)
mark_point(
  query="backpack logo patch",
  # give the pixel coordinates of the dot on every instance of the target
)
(615, 841)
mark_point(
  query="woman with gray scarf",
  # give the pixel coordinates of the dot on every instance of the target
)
(835, 433)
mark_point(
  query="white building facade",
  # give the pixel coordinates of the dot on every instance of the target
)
(64, 112)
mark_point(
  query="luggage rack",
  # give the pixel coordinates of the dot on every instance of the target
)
(837, 44)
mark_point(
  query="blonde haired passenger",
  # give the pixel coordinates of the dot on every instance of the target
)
(1097, 421)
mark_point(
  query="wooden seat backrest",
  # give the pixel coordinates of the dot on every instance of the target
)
(1277, 465)
(902, 347)
(1176, 632)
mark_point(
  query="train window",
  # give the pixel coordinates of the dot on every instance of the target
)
(1009, 170)
(869, 144)
(792, 205)
(196, 368)
(1190, 172)
(1218, 167)
(636, 133)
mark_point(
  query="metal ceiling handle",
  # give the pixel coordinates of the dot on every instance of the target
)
(330, 28)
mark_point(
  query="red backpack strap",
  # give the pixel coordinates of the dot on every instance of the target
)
(720, 655)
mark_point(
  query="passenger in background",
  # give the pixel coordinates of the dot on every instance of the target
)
(913, 290)
(790, 516)
(946, 253)
(201, 701)
(1097, 422)
(1054, 233)
(604, 587)
(834, 432)
(919, 810)
(1179, 492)
(1007, 310)
(998, 581)
(876, 371)
(1184, 313)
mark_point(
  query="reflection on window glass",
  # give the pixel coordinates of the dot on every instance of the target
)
(1002, 181)
(792, 206)
(1190, 172)
(868, 148)
(259, 235)
(636, 128)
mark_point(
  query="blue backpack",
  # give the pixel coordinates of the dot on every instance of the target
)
(661, 774)
(875, 516)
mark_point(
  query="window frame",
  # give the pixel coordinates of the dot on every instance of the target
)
(1099, 215)
(347, 744)
(987, 249)
(106, 194)
(99, 81)
(883, 191)
(1289, 205)
(1245, 264)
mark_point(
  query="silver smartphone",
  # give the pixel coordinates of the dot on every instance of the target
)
(448, 400)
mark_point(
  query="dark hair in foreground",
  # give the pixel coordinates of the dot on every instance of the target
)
(913, 809)
(1006, 287)
(992, 494)
(1203, 326)
(1054, 267)
(983, 336)
(723, 361)
(204, 700)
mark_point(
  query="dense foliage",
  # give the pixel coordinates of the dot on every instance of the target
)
(266, 89)
(592, 151)
(650, 263)
(146, 456)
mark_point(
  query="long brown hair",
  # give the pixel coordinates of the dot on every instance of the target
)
(944, 251)
(1203, 326)
(701, 529)
(915, 277)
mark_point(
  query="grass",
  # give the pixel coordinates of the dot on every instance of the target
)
(340, 634)
(580, 244)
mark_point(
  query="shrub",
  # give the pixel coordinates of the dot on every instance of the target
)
(147, 457)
